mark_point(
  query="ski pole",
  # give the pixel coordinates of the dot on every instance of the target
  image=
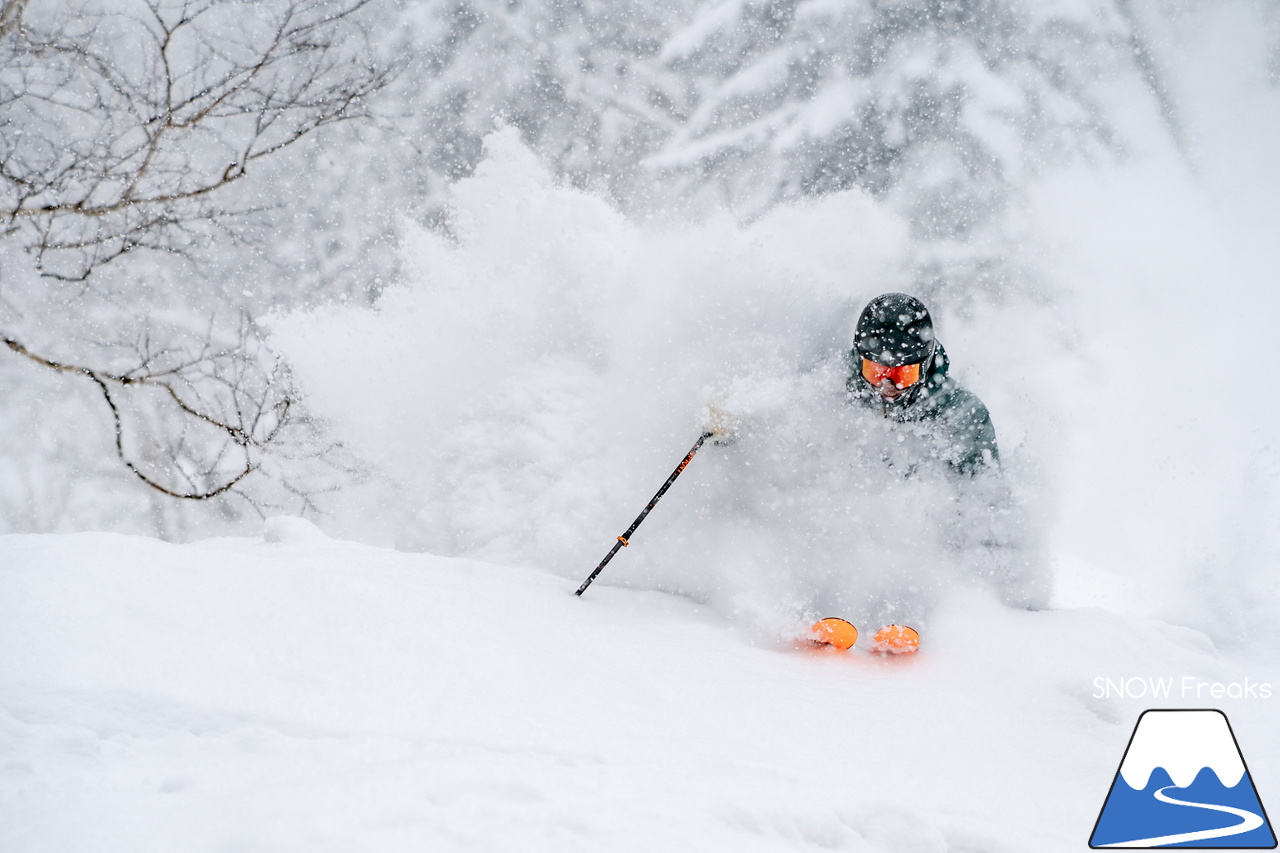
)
(622, 540)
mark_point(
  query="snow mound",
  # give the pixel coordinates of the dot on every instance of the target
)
(288, 528)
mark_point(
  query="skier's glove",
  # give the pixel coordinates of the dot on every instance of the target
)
(722, 423)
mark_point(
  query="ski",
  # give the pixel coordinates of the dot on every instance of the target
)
(841, 635)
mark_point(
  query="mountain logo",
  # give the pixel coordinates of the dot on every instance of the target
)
(1183, 783)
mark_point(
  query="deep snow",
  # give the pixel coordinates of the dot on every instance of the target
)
(301, 693)
(532, 382)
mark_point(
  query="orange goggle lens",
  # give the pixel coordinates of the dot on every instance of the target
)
(904, 376)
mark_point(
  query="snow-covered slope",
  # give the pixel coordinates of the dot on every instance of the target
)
(300, 693)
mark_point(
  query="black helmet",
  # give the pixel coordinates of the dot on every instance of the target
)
(894, 329)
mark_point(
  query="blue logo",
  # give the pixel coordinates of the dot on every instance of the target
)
(1183, 783)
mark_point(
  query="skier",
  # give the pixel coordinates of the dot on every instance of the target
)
(899, 369)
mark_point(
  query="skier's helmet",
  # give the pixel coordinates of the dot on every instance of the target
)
(894, 341)
(894, 329)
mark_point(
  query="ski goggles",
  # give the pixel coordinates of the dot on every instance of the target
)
(903, 377)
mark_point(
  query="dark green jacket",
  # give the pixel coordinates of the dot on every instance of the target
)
(957, 421)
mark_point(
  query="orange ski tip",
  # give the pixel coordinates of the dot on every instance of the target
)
(833, 631)
(896, 640)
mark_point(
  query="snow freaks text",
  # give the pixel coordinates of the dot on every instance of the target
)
(1184, 687)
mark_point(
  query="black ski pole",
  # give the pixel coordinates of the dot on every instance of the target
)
(622, 540)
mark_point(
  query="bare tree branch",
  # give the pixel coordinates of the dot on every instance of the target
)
(124, 131)
(245, 439)
(157, 136)
(11, 16)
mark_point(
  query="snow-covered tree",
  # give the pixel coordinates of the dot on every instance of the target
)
(131, 134)
(943, 105)
(582, 81)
